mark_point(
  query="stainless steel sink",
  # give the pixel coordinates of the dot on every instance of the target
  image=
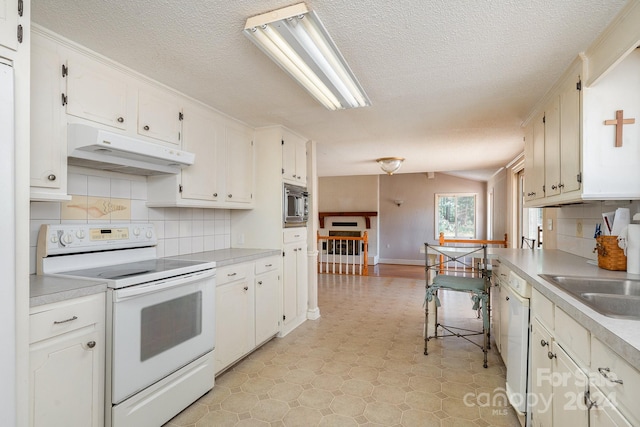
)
(611, 297)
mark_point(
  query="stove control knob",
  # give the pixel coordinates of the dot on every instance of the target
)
(80, 234)
(54, 238)
(149, 234)
(67, 239)
(136, 231)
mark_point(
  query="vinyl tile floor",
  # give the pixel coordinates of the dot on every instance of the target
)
(362, 364)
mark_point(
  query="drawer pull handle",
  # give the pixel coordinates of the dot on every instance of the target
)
(544, 343)
(146, 128)
(231, 274)
(551, 355)
(268, 265)
(59, 322)
(260, 283)
(246, 288)
(91, 344)
(605, 371)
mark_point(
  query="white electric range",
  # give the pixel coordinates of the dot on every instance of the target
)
(160, 318)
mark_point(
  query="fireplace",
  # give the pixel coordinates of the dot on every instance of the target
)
(344, 247)
(351, 224)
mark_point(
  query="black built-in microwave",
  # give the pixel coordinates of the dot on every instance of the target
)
(296, 206)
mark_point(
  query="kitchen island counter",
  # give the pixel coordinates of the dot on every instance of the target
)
(622, 335)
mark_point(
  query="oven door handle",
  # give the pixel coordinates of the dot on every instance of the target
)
(161, 285)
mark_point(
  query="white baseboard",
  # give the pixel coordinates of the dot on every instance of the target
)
(401, 261)
(313, 314)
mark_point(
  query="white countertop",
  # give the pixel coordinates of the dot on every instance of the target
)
(47, 289)
(622, 335)
(230, 256)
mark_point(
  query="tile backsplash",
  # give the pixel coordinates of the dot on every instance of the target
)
(107, 198)
(576, 225)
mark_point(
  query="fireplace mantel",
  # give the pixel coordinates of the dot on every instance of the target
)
(367, 216)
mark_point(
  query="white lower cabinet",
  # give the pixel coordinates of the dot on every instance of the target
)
(268, 296)
(541, 369)
(235, 311)
(247, 308)
(67, 363)
(295, 292)
(576, 380)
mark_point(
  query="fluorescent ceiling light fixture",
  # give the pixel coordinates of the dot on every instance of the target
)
(390, 164)
(295, 39)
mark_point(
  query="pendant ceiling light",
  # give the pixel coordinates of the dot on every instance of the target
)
(295, 39)
(390, 164)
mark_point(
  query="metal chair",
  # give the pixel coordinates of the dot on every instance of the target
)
(528, 243)
(456, 268)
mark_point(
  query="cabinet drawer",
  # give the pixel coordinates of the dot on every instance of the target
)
(606, 367)
(573, 338)
(267, 264)
(294, 234)
(232, 273)
(54, 319)
(542, 308)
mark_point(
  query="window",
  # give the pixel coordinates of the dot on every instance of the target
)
(456, 215)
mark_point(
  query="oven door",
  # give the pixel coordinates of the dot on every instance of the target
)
(159, 327)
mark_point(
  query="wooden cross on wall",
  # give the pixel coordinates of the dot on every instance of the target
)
(619, 121)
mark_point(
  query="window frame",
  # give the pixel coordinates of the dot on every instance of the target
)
(437, 214)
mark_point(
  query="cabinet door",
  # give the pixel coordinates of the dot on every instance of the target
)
(294, 159)
(541, 376)
(202, 135)
(235, 333)
(552, 148)
(159, 116)
(504, 322)
(239, 166)
(569, 387)
(9, 23)
(538, 159)
(48, 134)
(67, 380)
(96, 93)
(290, 285)
(301, 279)
(267, 305)
(604, 412)
(570, 136)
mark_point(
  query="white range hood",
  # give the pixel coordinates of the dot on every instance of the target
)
(100, 149)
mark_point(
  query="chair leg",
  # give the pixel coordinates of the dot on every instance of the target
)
(426, 326)
(489, 317)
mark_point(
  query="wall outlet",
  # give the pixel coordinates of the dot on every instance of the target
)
(579, 228)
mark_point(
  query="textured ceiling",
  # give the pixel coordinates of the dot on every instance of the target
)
(450, 81)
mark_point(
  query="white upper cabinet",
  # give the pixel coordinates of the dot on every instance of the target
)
(294, 159)
(534, 160)
(95, 92)
(223, 173)
(159, 115)
(204, 137)
(48, 131)
(239, 164)
(9, 24)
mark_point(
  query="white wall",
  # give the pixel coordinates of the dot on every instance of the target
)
(570, 219)
(179, 230)
(403, 228)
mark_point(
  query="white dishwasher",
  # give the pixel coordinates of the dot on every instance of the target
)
(517, 298)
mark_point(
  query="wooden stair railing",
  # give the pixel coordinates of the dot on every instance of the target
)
(343, 263)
